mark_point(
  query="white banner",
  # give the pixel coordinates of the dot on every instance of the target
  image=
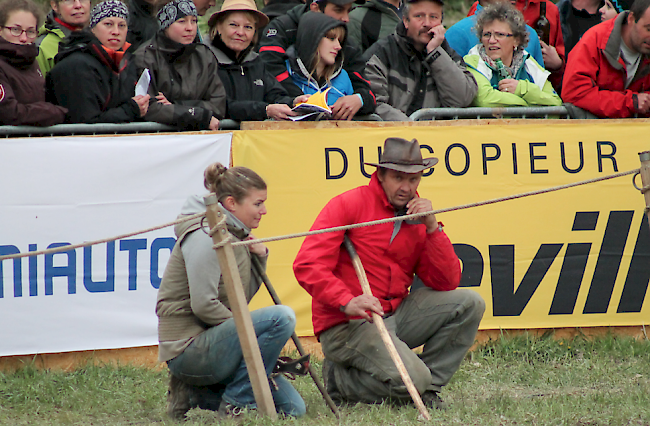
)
(67, 190)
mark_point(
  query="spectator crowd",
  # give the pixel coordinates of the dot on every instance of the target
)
(384, 57)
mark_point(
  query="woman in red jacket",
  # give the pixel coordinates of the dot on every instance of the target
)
(22, 87)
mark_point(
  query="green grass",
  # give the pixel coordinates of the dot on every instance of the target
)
(520, 380)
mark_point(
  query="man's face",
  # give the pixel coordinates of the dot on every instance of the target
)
(341, 13)
(422, 16)
(202, 6)
(399, 187)
(640, 33)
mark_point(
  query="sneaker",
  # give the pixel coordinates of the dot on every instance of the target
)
(178, 398)
(230, 411)
(431, 399)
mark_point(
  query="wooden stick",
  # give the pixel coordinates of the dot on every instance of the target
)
(276, 299)
(644, 171)
(239, 308)
(379, 322)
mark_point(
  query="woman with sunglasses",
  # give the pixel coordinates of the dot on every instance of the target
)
(22, 87)
(506, 74)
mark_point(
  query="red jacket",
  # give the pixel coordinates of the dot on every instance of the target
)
(595, 76)
(530, 10)
(323, 267)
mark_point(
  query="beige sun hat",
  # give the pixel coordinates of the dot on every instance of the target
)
(240, 5)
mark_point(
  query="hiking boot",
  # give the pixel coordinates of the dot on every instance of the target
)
(230, 411)
(178, 398)
(431, 399)
(206, 397)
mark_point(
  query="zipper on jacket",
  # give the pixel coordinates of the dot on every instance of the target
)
(242, 69)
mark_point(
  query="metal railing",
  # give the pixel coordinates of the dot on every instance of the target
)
(477, 113)
(98, 129)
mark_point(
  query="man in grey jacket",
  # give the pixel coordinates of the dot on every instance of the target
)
(415, 68)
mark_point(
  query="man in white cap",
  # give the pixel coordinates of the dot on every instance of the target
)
(357, 365)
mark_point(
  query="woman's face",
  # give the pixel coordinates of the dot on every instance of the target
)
(328, 48)
(73, 12)
(251, 209)
(23, 21)
(607, 12)
(183, 31)
(499, 41)
(237, 30)
(111, 32)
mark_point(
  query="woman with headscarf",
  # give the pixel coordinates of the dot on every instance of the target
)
(506, 74)
(184, 81)
(22, 87)
(252, 92)
(94, 77)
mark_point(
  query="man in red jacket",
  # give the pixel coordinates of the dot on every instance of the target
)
(357, 366)
(608, 73)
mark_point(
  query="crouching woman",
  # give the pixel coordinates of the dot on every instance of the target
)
(197, 334)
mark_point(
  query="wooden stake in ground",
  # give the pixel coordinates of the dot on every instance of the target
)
(379, 322)
(644, 171)
(276, 299)
(239, 307)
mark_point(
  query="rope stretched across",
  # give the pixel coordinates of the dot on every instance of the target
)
(322, 231)
(417, 215)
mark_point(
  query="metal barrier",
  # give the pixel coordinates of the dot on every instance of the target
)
(477, 113)
(98, 129)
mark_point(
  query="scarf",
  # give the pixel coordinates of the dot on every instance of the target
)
(513, 69)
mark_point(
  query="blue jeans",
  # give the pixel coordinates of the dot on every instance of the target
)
(215, 357)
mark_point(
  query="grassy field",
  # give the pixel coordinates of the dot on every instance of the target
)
(513, 381)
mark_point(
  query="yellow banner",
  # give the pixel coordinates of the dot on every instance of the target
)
(575, 257)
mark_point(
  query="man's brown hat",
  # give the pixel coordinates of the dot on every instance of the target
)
(403, 156)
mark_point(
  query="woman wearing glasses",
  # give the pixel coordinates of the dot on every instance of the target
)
(506, 74)
(65, 18)
(22, 87)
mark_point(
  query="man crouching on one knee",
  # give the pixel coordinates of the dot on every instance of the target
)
(357, 365)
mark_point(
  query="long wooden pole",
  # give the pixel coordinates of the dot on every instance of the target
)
(239, 307)
(379, 322)
(644, 171)
(276, 299)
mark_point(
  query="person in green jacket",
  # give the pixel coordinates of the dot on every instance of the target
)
(65, 17)
(506, 74)
(373, 20)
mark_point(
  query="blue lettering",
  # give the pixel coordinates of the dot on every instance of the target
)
(100, 286)
(132, 246)
(69, 271)
(18, 276)
(157, 245)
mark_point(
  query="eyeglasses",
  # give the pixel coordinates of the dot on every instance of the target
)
(17, 32)
(498, 35)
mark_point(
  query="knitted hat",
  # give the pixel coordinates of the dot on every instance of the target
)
(108, 9)
(622, 5)
(175, 10)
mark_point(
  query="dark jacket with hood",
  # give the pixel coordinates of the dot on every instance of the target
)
(249, 87)
(22, 88)
(371, 21)
(187, 76)
(88, 82)
(282, 32)
(143, 24)
(313, 27)
(406, 80)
